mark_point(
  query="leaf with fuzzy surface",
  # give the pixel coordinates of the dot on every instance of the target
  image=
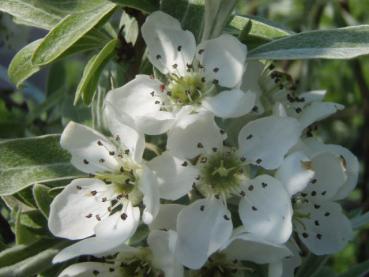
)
(24, 162)
(341, 43)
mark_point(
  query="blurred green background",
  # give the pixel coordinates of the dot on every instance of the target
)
(44, 104)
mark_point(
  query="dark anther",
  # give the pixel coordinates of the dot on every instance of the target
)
(185, 163)
(179, 48)
(93, 192)
(327, 214)
(305, 235)
(226, 217)
(200, 145)
(258, 161)
(242, 193)
(89, 216)
(158, 57)
(85, 161)
(79, 187)
(175, 65)
(316, 206)
(215, 81)
(264, 185)
(254, 208)
(202, 207)
(99, 143)
(216, 69)
(298, 110)
(111, 153)
(249, 136)
(101, 160)
(123, 216)
(319, 236)
(251, 187)
(98, 217)
(201, 51)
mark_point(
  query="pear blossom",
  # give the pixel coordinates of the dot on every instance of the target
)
(227, 259)
(156, 259)
(104, 209)
(191, 78)
(317, 176)
(220, 173)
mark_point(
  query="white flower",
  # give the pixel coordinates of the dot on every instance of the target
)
(154, 260)
(107, 205)
(219, 174)
(231, 251)
(191, 77)
(325, 174)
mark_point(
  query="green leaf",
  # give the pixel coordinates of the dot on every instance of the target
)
(357, 270)
(255, 31)
(87, 86)
(67, 32)
(33, 264)
(21, 66)
(22, 234)
(341, 43)
(27, 161)
(45, 14)
(20, 252)
(146, 6)
(42, 198)
(30, 14)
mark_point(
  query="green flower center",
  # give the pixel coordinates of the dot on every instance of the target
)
(140, 266)
(188, 89)
(221, 174)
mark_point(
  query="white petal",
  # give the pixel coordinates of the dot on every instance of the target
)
(149, 187)
(110, 235)
(267, 140)
(140, 100)
(317, 111)
(224, 59)
(313, 95)
(191, 131)
(251, 77)
(89, 269)
(167, 217)
(327, 230)
(87, 155)
(329, 176)
(175, 176)
(203, 227)
(351, 166)
(295, 172)
(263, 218)
(73, 211)
(129, 137)
(170, 48)
(247, 247)
(231, 103)
(161, 244)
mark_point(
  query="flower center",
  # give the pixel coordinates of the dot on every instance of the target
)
(139, 265)
(218, 266)
(188, 89)
(221, 174)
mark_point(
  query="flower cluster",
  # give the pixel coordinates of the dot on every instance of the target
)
(241, 180)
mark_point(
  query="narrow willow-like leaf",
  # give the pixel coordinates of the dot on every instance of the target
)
(33, 264)
(67, 32)
(255, 31)
(24, 162)
(20, 252)
(42, 198)
(146, 6)
(45, 14)
(30, 14)
(87, 86)
(342, 43)
(21, 66)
